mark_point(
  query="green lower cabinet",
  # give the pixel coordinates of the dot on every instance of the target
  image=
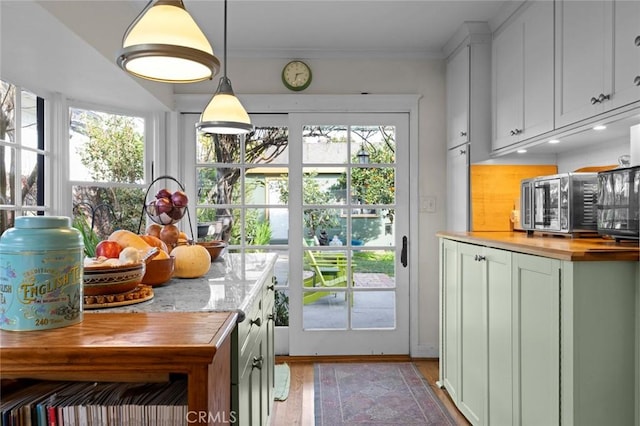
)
(536, 343)
(530, 340)
(473, 380)
(253, 363)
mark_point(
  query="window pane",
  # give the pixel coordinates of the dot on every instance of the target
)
(217, 148)
(324, 144)
(373, 144)
(106, 147)
(374, 228)
(268, 145)
(324, 185)
(323, 309)
(7, 177)
(218, 185)
(7, 219)
(29, 120)
(373, 185)
(7, 111)
(373, 309)
(111, 208)
(29, 178)
(322, 225)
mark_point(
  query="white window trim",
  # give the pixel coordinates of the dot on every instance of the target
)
(62, 200)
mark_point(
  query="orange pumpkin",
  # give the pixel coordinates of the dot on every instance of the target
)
(192, 261)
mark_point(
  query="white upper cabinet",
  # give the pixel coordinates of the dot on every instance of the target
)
(626, 53)
(458, 98)
(595, 58)
(523, 75)
(468, 89)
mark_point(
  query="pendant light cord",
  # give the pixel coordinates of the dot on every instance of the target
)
(225, 41)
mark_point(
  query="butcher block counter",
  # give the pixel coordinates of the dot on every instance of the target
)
(555, 247)
(184, 329)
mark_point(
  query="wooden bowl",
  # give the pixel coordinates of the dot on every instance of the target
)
(159, 271)
(214, 247)
(112, 279)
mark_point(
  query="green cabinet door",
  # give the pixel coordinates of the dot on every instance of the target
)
(473, 344)
(536, 345)
(497, 265)
(449, 325)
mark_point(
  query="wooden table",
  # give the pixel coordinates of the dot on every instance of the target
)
(131, 347)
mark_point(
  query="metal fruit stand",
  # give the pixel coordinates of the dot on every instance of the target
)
(164, 218)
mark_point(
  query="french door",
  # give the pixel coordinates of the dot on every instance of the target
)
(348, 233)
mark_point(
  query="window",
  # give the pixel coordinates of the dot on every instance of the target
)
(238, 196)
(23, 154)
(106, 169)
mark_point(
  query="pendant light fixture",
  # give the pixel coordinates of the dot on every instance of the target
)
(165, 44)
(224, 114)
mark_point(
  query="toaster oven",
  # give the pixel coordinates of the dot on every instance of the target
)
(563, 203)
(619, 202)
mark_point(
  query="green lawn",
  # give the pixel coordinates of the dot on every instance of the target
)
(381, 262)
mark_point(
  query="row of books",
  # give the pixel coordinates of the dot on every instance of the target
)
(56, 403)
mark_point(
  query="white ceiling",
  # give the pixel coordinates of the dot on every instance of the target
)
(40, 37)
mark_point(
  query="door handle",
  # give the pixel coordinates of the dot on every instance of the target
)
(403, 254)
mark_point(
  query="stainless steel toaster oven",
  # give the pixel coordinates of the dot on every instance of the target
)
(563, 203)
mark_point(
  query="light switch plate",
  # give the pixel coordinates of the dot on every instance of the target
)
(428, 204)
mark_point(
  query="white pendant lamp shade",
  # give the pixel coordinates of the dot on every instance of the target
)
(165, 44)
(224, 114)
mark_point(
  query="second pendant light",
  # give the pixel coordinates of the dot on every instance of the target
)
(224, 114)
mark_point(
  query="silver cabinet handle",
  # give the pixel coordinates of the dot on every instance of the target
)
(601, 98)
(515, 132)
(636, 80)
(257, 362)
(463, 133)
(637, 41)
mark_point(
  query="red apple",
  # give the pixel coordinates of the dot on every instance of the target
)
(163, 193)
(108, 249)
(179, 199)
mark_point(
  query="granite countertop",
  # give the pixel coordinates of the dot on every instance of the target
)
(232, 284)
(556, 247)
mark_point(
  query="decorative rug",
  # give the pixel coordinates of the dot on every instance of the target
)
(380, 394)
(282, 381)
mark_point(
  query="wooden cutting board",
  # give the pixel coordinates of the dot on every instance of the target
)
(495, 193)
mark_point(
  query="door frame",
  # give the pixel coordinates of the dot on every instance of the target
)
(294, 103)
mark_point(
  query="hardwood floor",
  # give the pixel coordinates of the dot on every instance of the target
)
(299, 408)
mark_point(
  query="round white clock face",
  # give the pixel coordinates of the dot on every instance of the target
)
(296, 75)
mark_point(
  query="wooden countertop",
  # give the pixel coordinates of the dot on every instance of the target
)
(117, 343)
(556, 247)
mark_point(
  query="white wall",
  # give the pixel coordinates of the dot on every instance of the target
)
(423, 77)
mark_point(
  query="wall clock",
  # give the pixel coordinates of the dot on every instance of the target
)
(296, 75)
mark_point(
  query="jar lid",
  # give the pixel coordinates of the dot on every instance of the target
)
(41, 222)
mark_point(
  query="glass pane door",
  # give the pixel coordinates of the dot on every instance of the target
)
(352, 183)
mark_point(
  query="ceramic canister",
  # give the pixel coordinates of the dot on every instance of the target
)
(41, 261)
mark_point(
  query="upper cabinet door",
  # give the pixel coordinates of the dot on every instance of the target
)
(458, 74)
(597, 59)
(523, 76)
(583, 62)
(626, 54)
